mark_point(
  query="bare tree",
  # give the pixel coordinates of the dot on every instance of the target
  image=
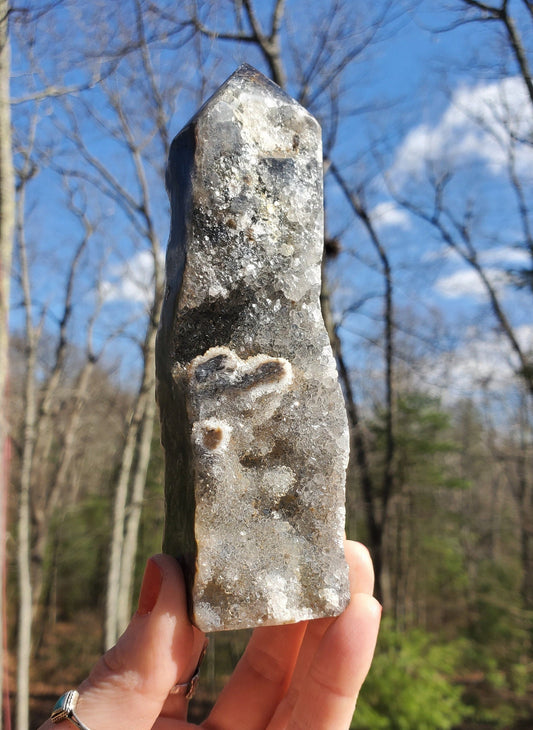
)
(457, 227)
(132, 128)
(133, 472)
(376, 497)
(250, 31)
(512, 453)
(29, 438)
(475, 11)
(454, 210)
(7, 216)
(42, 489)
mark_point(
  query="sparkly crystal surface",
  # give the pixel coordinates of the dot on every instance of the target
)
(253, 421)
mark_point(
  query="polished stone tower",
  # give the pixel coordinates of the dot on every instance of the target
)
(253, 421)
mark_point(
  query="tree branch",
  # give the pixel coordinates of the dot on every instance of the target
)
(519, 53)
(468, 253)
(390, 443)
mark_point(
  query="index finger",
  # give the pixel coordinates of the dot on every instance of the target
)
(361, 581)
(260, 679)
(327, 693)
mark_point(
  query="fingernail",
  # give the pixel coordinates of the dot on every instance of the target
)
(151, 585)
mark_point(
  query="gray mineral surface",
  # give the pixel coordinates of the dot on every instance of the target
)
(253, 421)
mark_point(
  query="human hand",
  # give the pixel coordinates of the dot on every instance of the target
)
(293, 677)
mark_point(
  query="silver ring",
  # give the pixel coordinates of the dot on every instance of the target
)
(65, 709)
(189, 688)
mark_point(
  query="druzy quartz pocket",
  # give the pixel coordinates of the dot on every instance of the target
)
(253, 421)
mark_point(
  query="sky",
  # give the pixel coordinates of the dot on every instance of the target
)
(421, 100)
(458, 116)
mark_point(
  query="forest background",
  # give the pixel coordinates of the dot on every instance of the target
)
(427, 116)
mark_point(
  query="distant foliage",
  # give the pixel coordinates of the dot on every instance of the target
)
(411, 684)
(77, 559)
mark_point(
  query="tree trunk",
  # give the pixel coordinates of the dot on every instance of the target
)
(527, 563)
(357, 443)
(525, 505)
(129, 550)
(24, 549)
(7, 217)
(119, 516)
(138, 443)
(24, 514)
(7, 207)
(25, 606)
(57, 492)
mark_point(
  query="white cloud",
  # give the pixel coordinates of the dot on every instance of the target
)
(475, 125)
(524, 335)
(444, 253)
(506, 255)
(481, 362)
(131, 281)
(390, 215)
(466, 281)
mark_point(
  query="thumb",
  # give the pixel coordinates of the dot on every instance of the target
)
(128, 686)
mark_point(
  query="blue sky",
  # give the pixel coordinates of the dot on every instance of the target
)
(416, 92)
